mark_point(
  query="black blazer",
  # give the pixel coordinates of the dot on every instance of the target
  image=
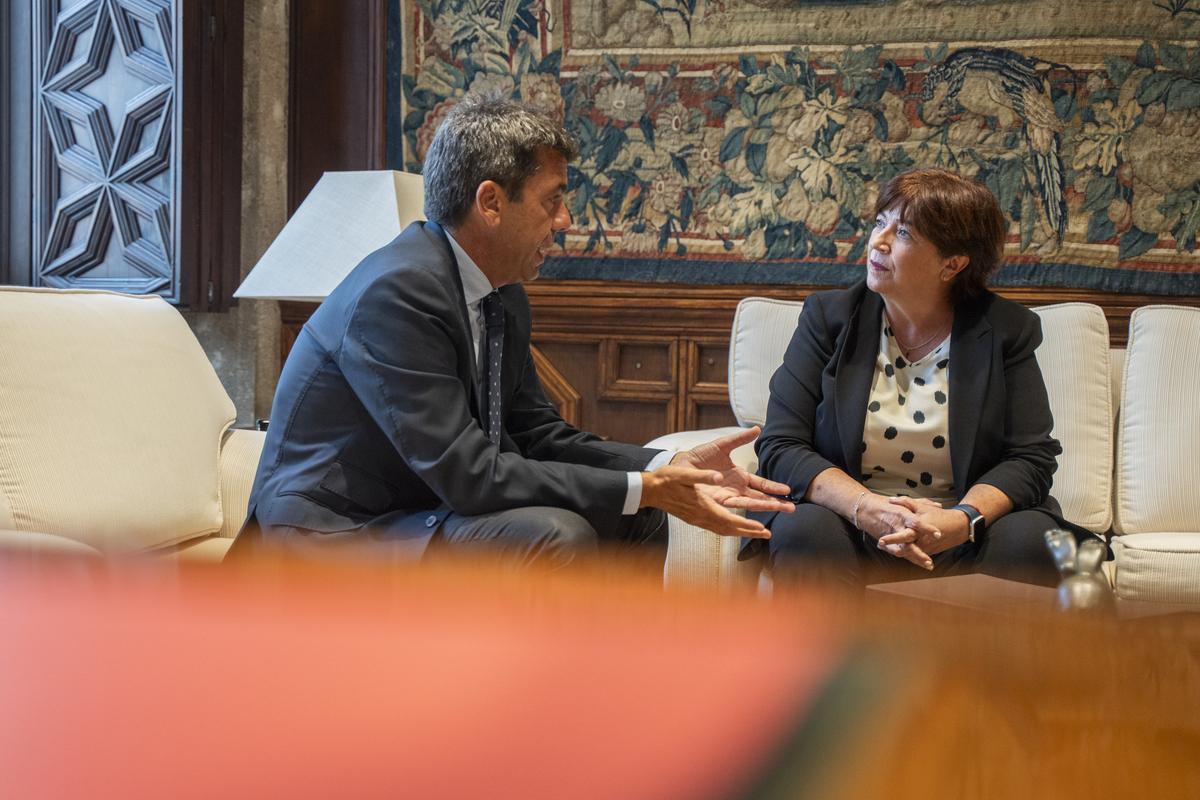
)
(375, 424)
(999, 413)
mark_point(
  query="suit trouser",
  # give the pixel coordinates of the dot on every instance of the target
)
(549, 537)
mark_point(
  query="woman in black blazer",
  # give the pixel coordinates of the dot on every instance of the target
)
(910, 416)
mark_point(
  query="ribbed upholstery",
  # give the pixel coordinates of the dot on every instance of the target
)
(239, 462)
(111, 420)
(1116, 360)
(1158, 434)
(696, 556)
(762, 329)
(26, 543)
(1157, 507)
(1164, 567)
(1074, 358)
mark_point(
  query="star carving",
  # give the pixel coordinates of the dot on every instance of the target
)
(107, 101)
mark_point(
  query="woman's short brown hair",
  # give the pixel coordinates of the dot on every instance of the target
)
(959, 216)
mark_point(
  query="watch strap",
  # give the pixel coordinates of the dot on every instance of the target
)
(975, 520)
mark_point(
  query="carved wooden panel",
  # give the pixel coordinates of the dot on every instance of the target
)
(704, 390)
(559, 390)
(634, 367)
(105, 145)
(606, 373)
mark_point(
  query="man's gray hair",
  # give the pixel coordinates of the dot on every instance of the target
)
(486, 138)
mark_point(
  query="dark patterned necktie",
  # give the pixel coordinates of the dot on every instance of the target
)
(493, 320)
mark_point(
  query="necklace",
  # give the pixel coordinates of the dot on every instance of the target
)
(906, 349)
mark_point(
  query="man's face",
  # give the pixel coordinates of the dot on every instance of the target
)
(528, 224)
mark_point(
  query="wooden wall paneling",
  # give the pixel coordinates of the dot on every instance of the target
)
(704, 390)
(615, 401)
(638, 366)
(292, 316)
(559, 390)
(642, 371)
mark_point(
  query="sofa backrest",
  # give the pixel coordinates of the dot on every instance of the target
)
(762, 328)
(1075, 361)
(1074, 357)
(111, 419)
(1158, 434)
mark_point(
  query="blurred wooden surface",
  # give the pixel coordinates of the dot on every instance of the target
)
(1022, 701)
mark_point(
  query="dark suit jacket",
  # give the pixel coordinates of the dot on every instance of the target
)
(375, 426)
(999, 412)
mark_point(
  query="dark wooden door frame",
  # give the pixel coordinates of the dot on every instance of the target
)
(337, 69)
(16, 121)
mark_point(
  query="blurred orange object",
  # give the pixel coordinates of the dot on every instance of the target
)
(304, 683)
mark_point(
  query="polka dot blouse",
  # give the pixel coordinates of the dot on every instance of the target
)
(906, 434)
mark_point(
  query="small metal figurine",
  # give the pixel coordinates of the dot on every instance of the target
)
(1083, 585)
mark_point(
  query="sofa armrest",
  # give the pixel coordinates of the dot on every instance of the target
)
(699, 557)
(240, 450)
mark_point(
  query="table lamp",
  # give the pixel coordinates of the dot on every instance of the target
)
(345, 217)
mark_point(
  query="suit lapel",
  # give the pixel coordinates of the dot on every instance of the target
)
(970, 373)
(464, 323)
(856, 369)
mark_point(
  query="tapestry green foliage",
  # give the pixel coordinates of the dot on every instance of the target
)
(780, 156)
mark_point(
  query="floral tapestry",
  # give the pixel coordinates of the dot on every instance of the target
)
(744, 141)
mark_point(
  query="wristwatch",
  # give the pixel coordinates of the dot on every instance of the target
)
(975, 520)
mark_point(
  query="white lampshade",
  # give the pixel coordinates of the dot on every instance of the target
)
(345, 217)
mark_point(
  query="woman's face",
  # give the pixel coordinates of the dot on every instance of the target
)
(904, 265)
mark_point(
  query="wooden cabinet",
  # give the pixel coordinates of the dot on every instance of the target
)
(633, 363)
(635, 387)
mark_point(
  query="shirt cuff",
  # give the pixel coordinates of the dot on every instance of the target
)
(660, 460)
(633, 491)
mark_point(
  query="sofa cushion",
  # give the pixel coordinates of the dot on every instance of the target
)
(1158, 434)
(35, 543)
(1074, 357)
(203, 551)
(111, 420)
(762, 329)
(1164, 567)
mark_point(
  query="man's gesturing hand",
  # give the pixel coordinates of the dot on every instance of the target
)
(689, 494)
(737, 488)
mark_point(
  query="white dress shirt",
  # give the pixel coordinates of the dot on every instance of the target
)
(476, 286)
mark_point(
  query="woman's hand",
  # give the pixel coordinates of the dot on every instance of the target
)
(921, 516)
(900, 529)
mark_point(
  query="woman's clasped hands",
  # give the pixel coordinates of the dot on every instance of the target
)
(912, 528)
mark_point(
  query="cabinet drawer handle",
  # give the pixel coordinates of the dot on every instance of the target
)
(710, 361)
(637, 365)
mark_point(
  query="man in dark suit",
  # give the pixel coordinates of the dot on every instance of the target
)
(409, 421)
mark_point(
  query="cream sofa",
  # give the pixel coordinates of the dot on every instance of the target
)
(1130, 476)
(115, 433)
